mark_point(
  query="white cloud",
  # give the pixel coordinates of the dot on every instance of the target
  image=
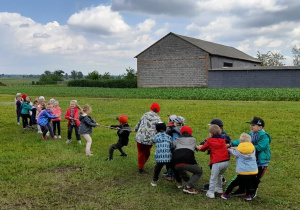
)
(101, 20)
(146, 26)
(162, 31)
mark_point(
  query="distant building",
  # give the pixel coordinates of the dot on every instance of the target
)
(181, 61)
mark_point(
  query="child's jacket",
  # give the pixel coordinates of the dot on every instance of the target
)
(145, 129)
(262, 146)
(218, 149)
(245, 159)
(184, 151)
(44, 117)
(163, 143)
(26, 107)
(123, 133)
(76, 116)
(57, 112)
(86, 124)
(173, 131)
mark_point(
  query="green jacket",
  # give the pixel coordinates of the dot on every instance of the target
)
(25, 108)
(262, 147)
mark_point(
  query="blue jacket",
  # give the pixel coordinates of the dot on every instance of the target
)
(163, 143)
(262, 147)
(26, 107)
(245, 159)
(45, 116)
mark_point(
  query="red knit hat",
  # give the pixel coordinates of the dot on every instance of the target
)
(123, 119)
(24, 96)
(186, 129)
(155, 107)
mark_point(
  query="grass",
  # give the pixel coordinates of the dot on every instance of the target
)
(240, 94)
(52, 175)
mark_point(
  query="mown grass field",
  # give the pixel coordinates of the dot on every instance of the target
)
(52, 175)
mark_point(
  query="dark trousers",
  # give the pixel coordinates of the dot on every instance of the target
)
(244, 181)
(181, 170)
(70, 129)
(18, 115)
(113, 147)
(47, 128)
(157, 169)
(56, 124)
(261, 173)
(25, 120)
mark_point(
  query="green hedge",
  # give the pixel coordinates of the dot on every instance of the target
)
(109, 83)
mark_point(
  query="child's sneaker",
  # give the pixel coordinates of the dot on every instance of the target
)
(205, 187)
(48, 134)
(248, 197)
(89, 154)
(44, 137)
(54, 138)
(179, 185)
(18, 123)
(224, 196)
(123, 155)
(190, 190)
(40, 132)
(79, 141)
(153, 184)
(68, 141)
(59, 136)
(108, 159)
(210, 195)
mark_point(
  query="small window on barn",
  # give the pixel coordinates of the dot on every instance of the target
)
(227, 64)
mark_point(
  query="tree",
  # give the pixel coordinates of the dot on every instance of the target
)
(47, 72)
(296, 54)
(270, 59)
(73, 74)
(66, 76)
(131, 73)
(50, 78)
(93, 75)
(79, 75)
(59, 73)
(106, 75)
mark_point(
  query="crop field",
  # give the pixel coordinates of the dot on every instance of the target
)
(50, 174)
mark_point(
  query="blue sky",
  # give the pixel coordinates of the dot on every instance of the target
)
(88, 35)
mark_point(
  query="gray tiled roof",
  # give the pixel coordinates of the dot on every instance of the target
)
(218, 49)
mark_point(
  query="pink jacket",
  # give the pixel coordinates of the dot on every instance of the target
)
(57, 112)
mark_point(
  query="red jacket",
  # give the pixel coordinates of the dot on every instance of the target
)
(218, 149)
(76, 116)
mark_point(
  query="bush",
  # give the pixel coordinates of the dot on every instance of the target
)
(112, 83)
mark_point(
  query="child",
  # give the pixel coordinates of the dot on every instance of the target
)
(34, 111)
(183, 160)
(42, 103)
(261, 141)
(18, 106)
(44, 120)
(246, 167)
(56, 110)
(145, 130)
(123, 132)
(219, 159)
(72, 115)
(163, 155)
(26, 107)
(171, 126)
(85, 128)
(51, 101)
(218, 122)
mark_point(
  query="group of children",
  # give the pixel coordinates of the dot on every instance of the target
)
(175, 145)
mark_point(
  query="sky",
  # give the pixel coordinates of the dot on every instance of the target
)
(106, 35)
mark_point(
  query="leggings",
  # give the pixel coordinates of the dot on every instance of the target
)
(56, 124)
(25, 120)
(88, 143)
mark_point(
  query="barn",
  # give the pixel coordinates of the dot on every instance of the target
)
(181, 61)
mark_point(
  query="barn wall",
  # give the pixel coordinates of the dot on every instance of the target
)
(217, 62)
(172, 62)
(254, 78)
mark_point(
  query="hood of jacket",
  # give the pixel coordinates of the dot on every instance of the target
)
(246, 148)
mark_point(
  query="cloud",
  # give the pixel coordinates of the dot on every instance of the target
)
(101, 20)
(146, 26)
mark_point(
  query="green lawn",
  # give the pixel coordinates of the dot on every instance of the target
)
(52, 175)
